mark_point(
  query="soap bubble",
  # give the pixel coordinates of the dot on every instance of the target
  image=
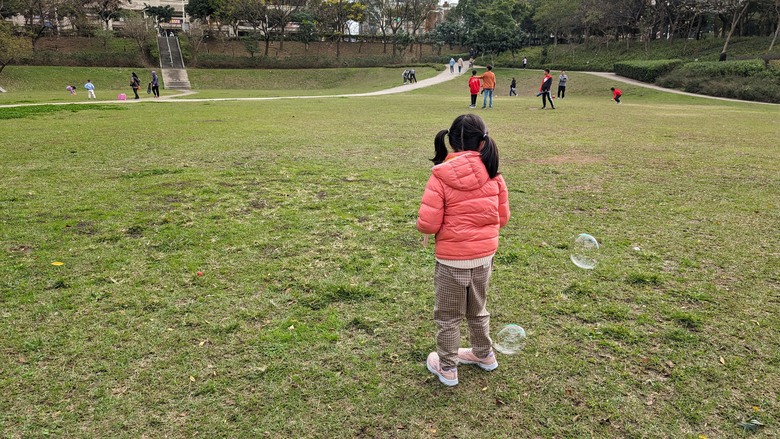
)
(585, 250)
(510, 340)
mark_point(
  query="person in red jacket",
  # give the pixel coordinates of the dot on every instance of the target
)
(474, 88)
(544, 90)
(616, 94)
(465, 203)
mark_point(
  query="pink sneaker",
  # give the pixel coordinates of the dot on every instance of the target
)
(447, 377)
(466, 356)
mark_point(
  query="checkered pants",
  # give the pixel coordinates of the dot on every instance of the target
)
(461, 292)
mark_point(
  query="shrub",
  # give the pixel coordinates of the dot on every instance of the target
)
(727, 68)
(646, 71)
(728, 80)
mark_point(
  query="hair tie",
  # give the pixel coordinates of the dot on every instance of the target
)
(484, 136)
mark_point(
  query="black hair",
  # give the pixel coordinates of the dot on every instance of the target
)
(613, 88)
(489, 67)
(468, 133)
(546, 70)
(474, 72)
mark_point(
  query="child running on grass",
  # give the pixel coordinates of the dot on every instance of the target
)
(465, 204)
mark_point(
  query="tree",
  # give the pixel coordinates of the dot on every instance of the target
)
(9, 8)
(280, 13)
(40, 17)
(255, 14)
(204, 10)
(556, 17)
(106, 10)
(161, 14)
(334, 15)
(139, 28)
(492, 26)
(11, 47)
(307, 28)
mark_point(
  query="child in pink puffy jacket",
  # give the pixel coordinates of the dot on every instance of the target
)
(465, 204)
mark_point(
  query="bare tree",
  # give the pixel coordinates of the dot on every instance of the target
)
(280, 13)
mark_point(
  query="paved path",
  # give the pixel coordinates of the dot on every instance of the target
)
(614, 77)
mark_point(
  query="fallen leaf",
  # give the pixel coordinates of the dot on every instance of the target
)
(192, 378)
(57, 263)
(291, 328)
(202, 343)
(484, 388)
(500, 402)
(22, 359)
(722, 361)
(669, 363)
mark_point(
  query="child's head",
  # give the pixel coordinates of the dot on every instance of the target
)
(612, 88)
(474, 72)
(468, 133)
(547, 71)
(489, 67)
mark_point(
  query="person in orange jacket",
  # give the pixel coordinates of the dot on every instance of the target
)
(465, 203)
(488, 84)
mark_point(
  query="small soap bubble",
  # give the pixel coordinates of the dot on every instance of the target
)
(510, 340)
(585, 251)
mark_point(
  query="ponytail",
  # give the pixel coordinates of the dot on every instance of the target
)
(489, 155)
(440, 148)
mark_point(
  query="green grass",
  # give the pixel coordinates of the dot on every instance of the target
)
(314, 314)
(47, 84)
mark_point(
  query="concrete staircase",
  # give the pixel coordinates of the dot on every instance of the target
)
(174, 75)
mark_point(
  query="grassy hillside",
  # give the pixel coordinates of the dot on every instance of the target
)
(602, 57)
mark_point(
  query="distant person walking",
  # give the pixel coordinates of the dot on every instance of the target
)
(488, 85)
(90, 87)
(135, 83)
(452, 65)
(513, 88)
(412, 76)
(544, 90)
(155, 84)
(460, 65)
(474, 85)
(405, 75)
(616, 94)
(525, 62)
(562, 84)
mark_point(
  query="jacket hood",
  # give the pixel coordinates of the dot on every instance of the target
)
(463, 171)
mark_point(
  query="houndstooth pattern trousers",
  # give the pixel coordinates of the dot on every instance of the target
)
(461, 292)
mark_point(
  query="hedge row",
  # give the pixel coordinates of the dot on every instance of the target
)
(748, 80)
(646, 71)
(727, 68)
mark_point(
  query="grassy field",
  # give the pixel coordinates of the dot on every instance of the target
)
(313, 316)
(47, 84)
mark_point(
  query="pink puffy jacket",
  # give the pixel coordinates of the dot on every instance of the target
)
(464, 207)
